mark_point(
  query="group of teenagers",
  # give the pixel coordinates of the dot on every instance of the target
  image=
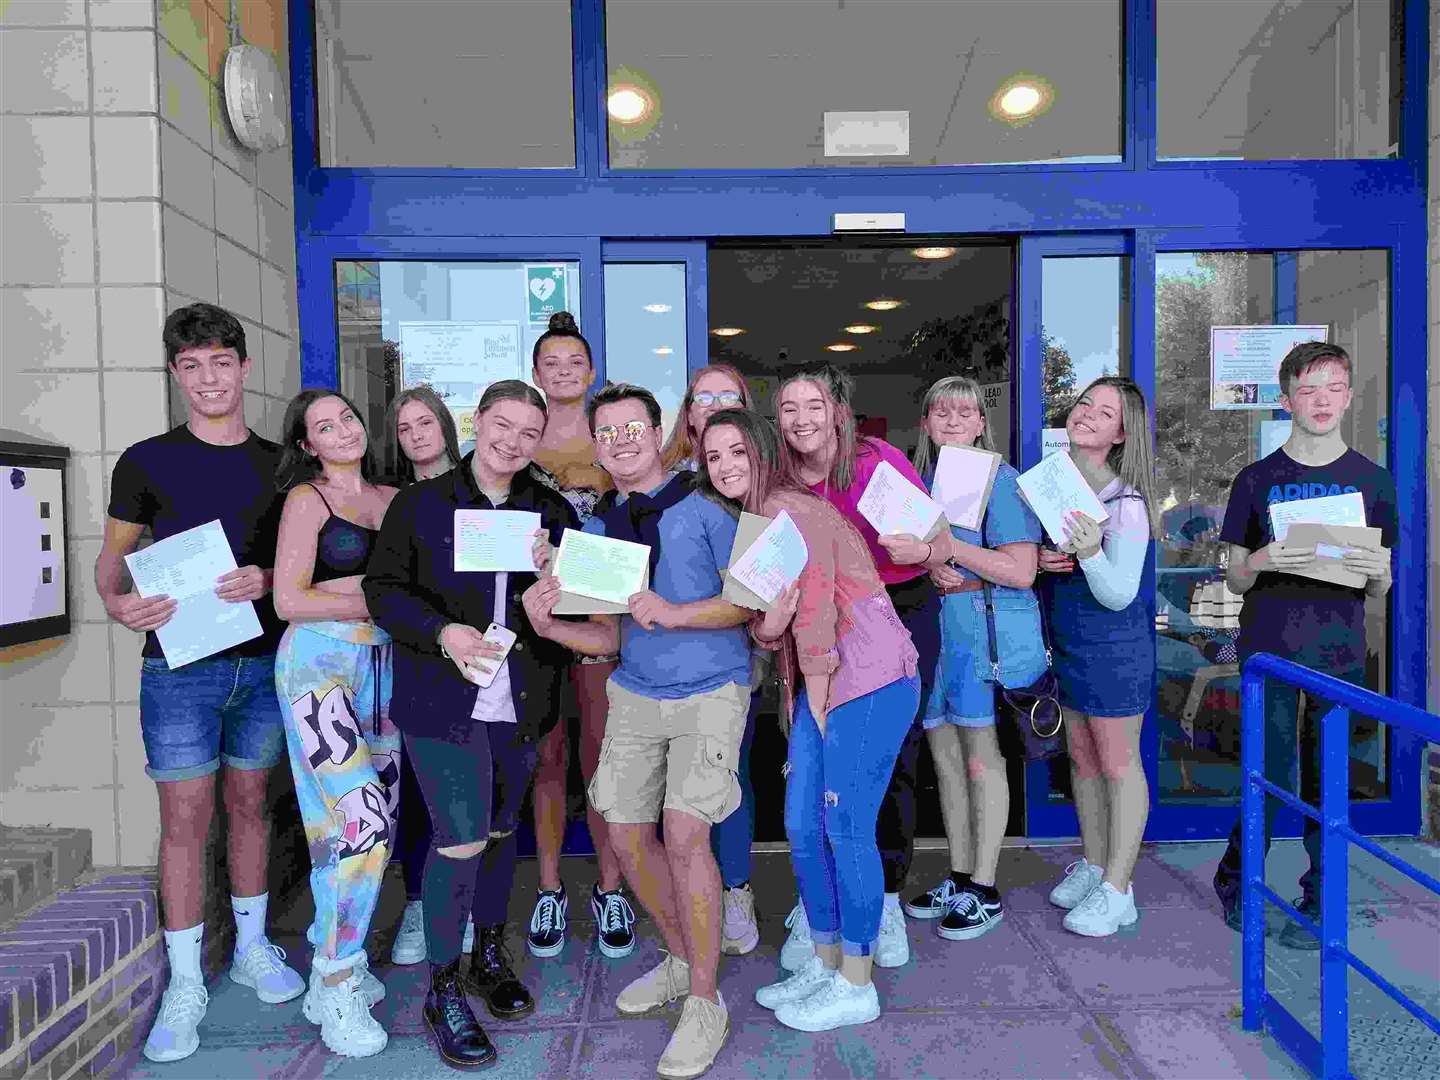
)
(883, 643)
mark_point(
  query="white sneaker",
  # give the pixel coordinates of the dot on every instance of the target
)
(346, 1026)
(371, 989)
(838, 1003)
(262, 967)
(174, 1035)
(811, 976)
(1103, 912)
(739, 933)
(409, 947)
(892, 948)
(1080, 878)
(799, 946)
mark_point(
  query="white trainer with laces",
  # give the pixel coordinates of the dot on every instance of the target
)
(739, 933)
(173, 1035)
(799, 946)
(892, 948)
(371, 988)
(346, 1026)
(262, 967)
(1103, 912)
(409, 947)
(838, 1003)
(1080, 878)
(813, 974)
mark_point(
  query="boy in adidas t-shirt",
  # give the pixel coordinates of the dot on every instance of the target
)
(1315, 623)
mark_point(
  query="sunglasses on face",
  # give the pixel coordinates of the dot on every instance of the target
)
(634, 431)
(726, 399)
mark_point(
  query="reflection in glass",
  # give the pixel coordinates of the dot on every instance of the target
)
(645, 331)
(1257, 79)
(861, 84)
(440, 84)
(1085, 327)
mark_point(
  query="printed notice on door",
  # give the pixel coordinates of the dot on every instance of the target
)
(1245, 363)
(459, 359)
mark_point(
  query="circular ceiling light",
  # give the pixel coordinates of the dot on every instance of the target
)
(861, 328)
(842, 346)
(657, 309)
(1020, 99)
(933, 252)
(883, 305)
(727, 331)
(662, 350)
(628, 104)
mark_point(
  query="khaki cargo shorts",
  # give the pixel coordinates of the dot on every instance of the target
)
(681, 754)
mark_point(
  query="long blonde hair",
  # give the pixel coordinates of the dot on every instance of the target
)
(838, 389)
(950, 388)
(1133, 460)
(684, 444)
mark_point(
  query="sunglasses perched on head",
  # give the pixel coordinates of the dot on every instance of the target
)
(726, 399)
(606, 434)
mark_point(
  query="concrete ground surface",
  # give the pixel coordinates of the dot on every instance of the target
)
(1026, 1000)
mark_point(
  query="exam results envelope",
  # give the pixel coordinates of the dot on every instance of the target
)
(748, 531)
(1329, 542)
(573, 603)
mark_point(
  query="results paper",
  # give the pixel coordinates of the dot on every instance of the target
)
(600, 567)
(964, 477)
(775, 559)
(893, 504)
(495, 540)
(1055, 488)
(186, 567)
(1346, 509)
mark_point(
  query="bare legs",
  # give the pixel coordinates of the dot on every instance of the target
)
(974, 797)
(1112, 798)
(187, 809)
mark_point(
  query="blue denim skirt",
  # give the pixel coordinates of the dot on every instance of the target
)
(1104, 660)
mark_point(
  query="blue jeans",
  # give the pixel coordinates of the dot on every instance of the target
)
(732, 839)
(832, 801)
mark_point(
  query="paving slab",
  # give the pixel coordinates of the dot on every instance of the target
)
(1199, 1042)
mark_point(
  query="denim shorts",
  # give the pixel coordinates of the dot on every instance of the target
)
(964, 692)
(220, 709)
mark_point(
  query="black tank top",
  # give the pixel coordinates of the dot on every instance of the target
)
(343, 548)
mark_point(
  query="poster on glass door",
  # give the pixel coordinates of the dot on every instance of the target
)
(1245, 363)
(459, 359)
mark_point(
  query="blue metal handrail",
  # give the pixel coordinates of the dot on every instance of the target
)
(1329, 1056)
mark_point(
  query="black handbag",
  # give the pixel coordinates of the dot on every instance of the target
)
(1028, 720)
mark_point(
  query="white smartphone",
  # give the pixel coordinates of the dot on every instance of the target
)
(496, 635)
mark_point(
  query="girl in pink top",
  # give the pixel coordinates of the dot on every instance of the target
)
(821, 448)
(861, 690)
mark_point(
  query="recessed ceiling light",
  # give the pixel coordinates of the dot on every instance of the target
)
(842, 346)
(657, 309)
(1021, 99)
(883, 305)
(662, 350)
(628, 104)
(861, 328)
(727, 331)
(933, 252)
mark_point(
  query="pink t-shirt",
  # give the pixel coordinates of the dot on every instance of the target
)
(868, 455)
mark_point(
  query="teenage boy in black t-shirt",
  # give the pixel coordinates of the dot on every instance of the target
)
(1315, 623)
(219, 710)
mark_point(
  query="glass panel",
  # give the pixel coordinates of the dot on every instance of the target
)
(645, 331)
(457, 326)
(1085, 327)
(1198, 452)
(445, 83)
(863, 83)
(1291, 79)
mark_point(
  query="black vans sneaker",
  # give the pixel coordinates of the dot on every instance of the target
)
(614, 922)
(970, 915)
(933, 903)
(547, 923)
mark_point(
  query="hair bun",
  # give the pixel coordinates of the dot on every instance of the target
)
(562, 322)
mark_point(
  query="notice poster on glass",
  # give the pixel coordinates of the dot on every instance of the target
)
(459, 359)
(1245, 363)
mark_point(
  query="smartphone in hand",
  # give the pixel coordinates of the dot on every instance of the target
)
(484, 675)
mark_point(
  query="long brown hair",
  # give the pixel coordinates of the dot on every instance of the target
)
(1133, 460)
(769, 471)
(396, 463)
(295, 465)
(839, 391)
(683, 444)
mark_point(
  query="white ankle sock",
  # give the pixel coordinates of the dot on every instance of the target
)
(249, 919)
(183, 949)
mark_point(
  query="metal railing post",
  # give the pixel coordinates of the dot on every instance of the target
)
(1252, 847)
(1334, 890)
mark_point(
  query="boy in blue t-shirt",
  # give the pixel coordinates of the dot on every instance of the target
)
(678, 704)
(1316, 623)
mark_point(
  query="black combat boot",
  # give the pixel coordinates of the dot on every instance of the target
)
(461, 1040)
(493, 979)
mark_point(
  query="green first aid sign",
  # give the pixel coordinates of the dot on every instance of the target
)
(545, 292)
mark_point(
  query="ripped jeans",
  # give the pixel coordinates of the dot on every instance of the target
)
(832, 799)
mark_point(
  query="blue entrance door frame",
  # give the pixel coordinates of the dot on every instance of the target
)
(1137, 206)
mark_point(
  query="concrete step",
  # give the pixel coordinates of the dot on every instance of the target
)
(36, 863)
